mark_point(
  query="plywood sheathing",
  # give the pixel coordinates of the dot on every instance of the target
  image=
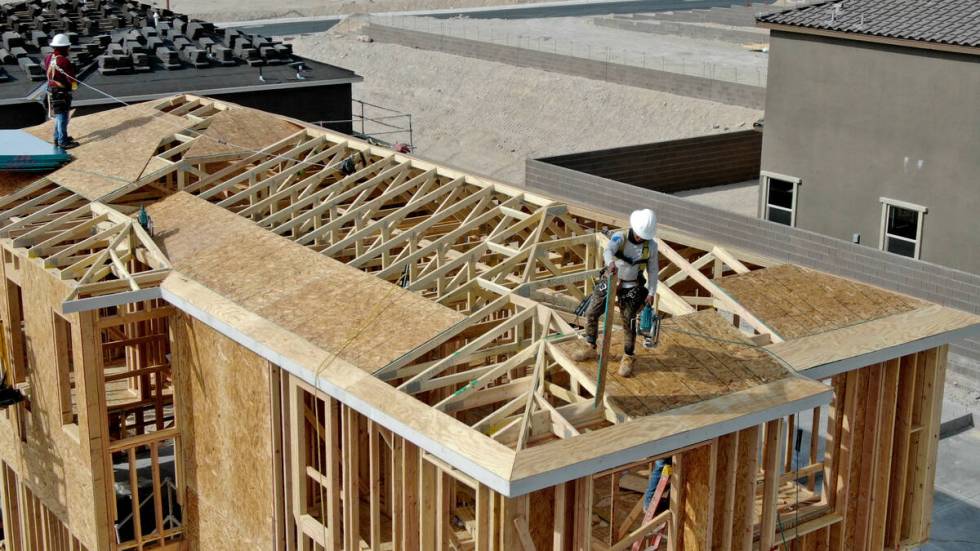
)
(364, 320)
(235, 130)
(225, 418)
(700, 356)
(431, 429)
(48, 446)
(10, 181)
(854, 343)
(797, 302)
(116, 147)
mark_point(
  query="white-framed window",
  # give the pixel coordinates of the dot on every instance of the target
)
(901, 227)
(779, 193)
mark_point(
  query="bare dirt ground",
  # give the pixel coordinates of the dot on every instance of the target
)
(244, 10)
(581, 37)
(489, 117)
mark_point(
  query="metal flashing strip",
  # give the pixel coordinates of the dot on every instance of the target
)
(105, 301)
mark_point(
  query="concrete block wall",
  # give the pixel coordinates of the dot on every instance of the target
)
(930, 282)
(675, 165)
(687, 30)
(674, 83)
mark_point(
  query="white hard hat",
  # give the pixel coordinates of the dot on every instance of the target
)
(644, 223)
(60, 40)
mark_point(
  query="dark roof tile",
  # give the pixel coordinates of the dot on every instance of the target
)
(937, 21)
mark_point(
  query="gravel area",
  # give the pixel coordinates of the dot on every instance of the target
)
(489, 117)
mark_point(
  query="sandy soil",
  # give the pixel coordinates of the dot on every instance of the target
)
(243, 10)
(581, 37)
(489, 117)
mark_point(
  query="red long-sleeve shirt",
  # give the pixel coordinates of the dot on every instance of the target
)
(57, 79)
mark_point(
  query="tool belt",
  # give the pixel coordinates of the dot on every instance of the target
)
(633, 295)
(639, 290)
(59, 99)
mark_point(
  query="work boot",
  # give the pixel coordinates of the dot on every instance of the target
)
(585, 353)
(626, 365)
(68, 144)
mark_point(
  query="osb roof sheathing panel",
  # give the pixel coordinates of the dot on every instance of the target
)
(796, 302)
(239, 129)
(115, 147)
(362, 319)
(700, 356)
(12, 181)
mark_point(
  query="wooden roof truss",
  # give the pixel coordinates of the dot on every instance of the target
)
(517, 264)
(499, 371)
(107, 257)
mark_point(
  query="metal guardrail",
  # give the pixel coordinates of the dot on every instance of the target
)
(383, 129)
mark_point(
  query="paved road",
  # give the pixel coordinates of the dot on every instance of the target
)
(293, 26)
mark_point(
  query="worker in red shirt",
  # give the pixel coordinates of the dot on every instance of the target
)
(61, 82)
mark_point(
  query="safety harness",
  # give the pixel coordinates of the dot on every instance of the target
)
(58, 97)
(642, 259)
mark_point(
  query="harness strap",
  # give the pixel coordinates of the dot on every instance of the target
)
(644, 254)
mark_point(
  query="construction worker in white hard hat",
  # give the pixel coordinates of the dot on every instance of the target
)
(628, 253)
(61, 82)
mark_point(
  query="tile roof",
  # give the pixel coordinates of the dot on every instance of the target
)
(953, 22)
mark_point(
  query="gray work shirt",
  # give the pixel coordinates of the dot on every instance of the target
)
(628, 273)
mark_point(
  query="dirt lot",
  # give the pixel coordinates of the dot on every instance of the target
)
(243, 10)
(489, 117)
(581, 37)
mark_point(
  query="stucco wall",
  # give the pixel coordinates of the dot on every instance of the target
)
(858, 121)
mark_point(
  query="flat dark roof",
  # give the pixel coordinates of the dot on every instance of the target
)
(209, 80)
(949, 22)
(135, 51)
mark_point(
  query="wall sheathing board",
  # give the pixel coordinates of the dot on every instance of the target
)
(46, 446)
(224, 411)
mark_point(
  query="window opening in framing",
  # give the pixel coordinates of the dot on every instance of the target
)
(67, 377)
(18, 336)
(141, 421)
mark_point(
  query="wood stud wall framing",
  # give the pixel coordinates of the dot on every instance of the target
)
(742, 491)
